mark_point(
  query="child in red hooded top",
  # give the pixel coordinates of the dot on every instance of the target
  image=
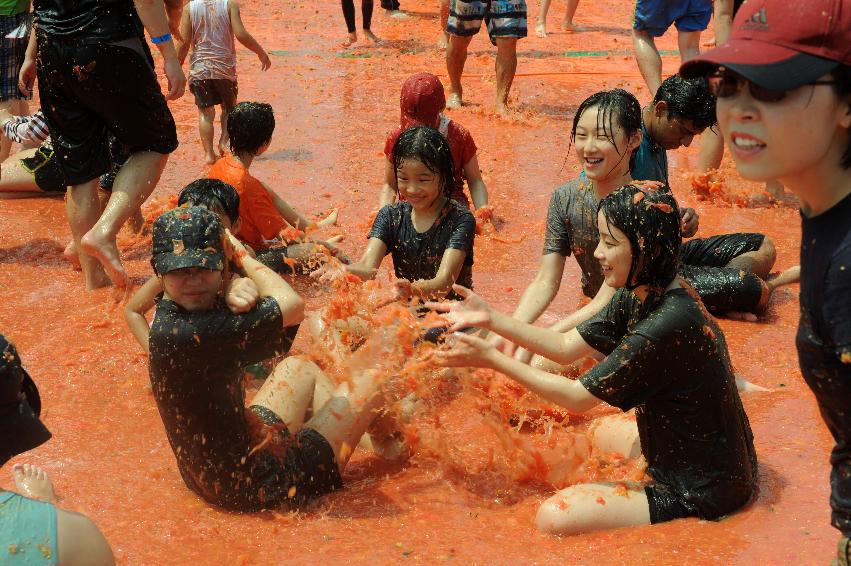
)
(422, 102)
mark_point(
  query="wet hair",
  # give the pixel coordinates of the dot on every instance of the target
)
(842, 76)
(250, 126)
(431, 148)
(651, 221)
(688, 99)
(212, 194)
(615, 107)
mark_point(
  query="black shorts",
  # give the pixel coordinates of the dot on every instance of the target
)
(89, 89)
(725, 289)
(209, 92)
(718, 251)
(307, 471)
(667, 504)
(45, 170)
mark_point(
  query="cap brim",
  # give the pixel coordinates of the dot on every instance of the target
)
(22, 431)
(214, 261)
(768, 65)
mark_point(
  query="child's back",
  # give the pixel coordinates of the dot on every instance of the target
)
(213, 49)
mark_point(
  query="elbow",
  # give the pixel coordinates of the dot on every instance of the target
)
(294, 312)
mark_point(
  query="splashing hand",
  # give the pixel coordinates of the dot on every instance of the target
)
(403, 289)
(465, 351)
(473, 311)
(328, 272)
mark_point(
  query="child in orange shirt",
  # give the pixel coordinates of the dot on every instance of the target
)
(264, 214)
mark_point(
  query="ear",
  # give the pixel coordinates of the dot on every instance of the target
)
(635, 140)
(845, 117)
(660, 109)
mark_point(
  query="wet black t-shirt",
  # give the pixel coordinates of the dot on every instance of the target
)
(824, 330)
(417, 255)
(96, 20)
(572, 228)
(674, 368)
(196, 361)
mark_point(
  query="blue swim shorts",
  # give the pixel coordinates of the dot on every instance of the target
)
(656, 16)
(504, 18)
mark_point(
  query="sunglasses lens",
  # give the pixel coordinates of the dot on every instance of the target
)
(766, 95)
(723, 86)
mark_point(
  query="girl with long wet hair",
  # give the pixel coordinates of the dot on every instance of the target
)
(605, 135)
(665, 356)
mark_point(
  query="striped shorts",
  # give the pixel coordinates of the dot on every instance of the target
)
(504, 18)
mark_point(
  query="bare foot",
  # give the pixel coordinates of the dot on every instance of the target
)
(743, 316)
(541, 29)
(372, 37)
(504, 111)
(33, 482)
(443, 40)
(106, 252)
(398, 14)
(70, 254)
(351, 40)
(785, 277)
(746, 386)
(211, 158)
(454, 100)
(571, 27)
(330, 220)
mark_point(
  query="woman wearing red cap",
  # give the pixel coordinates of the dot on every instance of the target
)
(422, 101)
(784, 62)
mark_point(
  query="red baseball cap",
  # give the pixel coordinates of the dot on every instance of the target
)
(422, 100)
(782, 44)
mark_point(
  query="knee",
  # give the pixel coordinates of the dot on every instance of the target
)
(768, 251)
(558, 516)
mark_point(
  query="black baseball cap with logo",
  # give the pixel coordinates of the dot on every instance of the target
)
(20, 406)
(187, 237)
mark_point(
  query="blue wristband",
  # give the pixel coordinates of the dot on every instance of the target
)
(161, 39)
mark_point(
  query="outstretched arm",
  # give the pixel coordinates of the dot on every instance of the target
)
(436, 287)
(295, 218)
(542, 290)
(472, 351)
(368, 265)
(600, 300)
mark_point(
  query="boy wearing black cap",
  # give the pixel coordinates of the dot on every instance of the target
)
(33, 530)
(783, 82)
(241, 459)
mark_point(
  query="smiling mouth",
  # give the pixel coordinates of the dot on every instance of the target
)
(593, 160)
(747, 143)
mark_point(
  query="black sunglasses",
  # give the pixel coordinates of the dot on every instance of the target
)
(725, 83)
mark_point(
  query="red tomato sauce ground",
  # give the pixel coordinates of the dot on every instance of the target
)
(470, 494)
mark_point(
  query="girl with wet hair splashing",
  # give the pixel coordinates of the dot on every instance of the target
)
(663, 355)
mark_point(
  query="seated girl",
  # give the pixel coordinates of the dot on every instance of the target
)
(665, 356)
(725, 270)
(429, 235)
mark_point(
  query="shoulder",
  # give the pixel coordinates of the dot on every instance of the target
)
(390, 141)
(570, 189)
(678, 312)
(459, 136)
(80, 541)
(459, 213)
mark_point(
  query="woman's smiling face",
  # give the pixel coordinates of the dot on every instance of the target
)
(602, 146)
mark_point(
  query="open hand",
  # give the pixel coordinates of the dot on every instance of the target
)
(265, 62)
(328, 272)
(473, 311)
(465, 351)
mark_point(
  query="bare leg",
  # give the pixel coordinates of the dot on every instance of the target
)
(758, 262)
(224, 140)
(71, 255)
(592, 507)
(786, 277)
(288, 391)
(506, 66)
(6, 143)
(456, 56)
(33, 482)
(541, 24)
(616, 434)
(206, 119)
(134, 182)
(689, 44)
(567, 24)
(648, 59)
(344, 418)
(711, 150)
(83, 209)
(443, 38)
(15, 179)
